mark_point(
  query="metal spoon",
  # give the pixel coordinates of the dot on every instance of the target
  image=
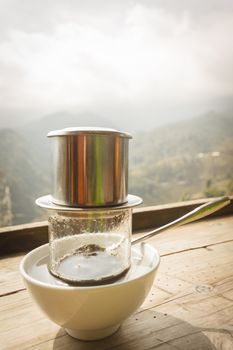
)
(197, 213)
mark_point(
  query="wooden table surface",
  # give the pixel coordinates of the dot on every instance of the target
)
(189, 307)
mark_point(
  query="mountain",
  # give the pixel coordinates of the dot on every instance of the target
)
(183, 160)
(22, 173)
(35, 132)
(26, 158)
(5, 202)
(176, 161)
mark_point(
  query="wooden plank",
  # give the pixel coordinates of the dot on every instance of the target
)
(25, 237)
(22, 324)
(159, 215)
(200, 234)
(10, 279)
(196, 235)
(189, 307)
(22, 238)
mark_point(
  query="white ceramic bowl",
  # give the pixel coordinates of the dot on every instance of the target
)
(90, 313)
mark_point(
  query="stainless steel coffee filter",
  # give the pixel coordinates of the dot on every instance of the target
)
(90, 167)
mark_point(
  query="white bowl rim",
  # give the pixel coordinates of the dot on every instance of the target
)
(81, 288)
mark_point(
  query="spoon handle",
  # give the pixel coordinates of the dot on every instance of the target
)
(197, 213)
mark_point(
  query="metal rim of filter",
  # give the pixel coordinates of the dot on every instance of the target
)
(46, 202)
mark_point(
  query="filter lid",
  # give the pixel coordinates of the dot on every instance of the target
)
(88, 130)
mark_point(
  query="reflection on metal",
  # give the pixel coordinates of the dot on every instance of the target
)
(91, 167)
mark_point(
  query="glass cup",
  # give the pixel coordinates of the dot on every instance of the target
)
(90, 247)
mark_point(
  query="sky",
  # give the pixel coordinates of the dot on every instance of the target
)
(147, 62)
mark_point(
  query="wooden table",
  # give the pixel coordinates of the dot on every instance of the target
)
(189, 307)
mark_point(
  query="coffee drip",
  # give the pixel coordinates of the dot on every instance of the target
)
(90, 221)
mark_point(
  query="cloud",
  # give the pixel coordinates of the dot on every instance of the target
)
(144, 56)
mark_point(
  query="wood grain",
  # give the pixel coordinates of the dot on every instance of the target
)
(189, 307)
(22, 238)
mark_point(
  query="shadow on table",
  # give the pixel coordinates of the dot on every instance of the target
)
(145, 330)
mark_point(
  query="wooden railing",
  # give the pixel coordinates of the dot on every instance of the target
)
(20, 238)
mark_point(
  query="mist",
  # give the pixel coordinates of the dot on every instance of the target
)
(139, 64)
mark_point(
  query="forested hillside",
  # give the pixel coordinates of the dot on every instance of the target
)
(22, 174)
(179, 161)
(185, 160)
